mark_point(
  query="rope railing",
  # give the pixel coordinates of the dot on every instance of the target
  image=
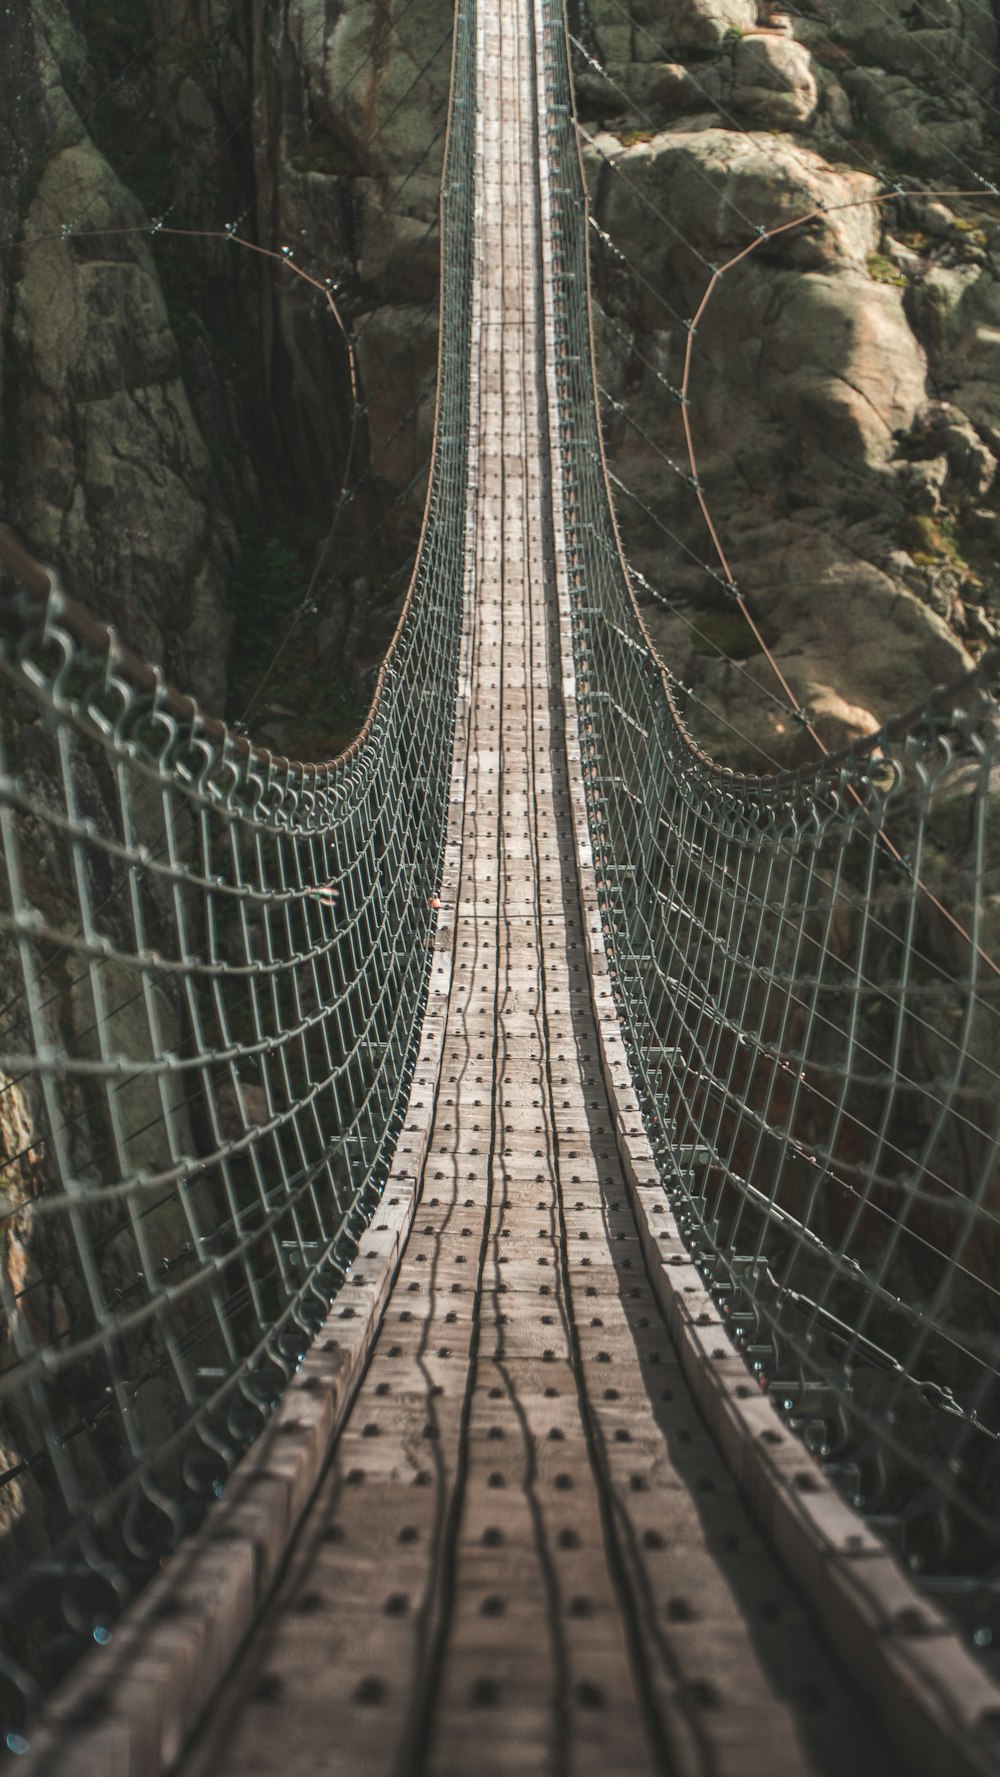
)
(213, 967)
(803, 970)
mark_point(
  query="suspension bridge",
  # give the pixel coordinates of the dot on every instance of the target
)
(500, 1228)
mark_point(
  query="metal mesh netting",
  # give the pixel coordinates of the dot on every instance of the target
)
(213, 965)
(212, 970)
(802, 971)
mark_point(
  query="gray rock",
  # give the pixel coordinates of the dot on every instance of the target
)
(939, 303)
(696, 24)
(915, 125)
(806, 373)
(774, 82)
(111, 479)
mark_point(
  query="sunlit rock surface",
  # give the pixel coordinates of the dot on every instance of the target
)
(856, 516)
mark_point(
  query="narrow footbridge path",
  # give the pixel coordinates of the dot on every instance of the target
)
(527, 1556)
(500, 1227)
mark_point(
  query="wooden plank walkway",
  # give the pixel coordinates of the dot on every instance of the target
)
(526, 1556)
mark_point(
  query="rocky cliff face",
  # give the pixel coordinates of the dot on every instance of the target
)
(107, 473)
(177, 415)
(177, 418)
(843, 390)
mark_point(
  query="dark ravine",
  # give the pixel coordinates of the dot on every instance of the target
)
(176, 413)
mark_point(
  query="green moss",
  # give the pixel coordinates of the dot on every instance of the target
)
(924, 539)
(933, 542)
(727, 633)
(884, 271)
(975, 235)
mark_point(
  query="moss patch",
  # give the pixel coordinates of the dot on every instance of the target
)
(975, 235)
(925, 540)
(884, 271)
(933, 542)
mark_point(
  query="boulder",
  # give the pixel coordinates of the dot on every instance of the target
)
(773, 81)
(842, 367)
(691, 24)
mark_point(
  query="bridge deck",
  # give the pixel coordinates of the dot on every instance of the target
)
(527, 1556)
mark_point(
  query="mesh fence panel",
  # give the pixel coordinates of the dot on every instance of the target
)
(802, 972)
(213, 965)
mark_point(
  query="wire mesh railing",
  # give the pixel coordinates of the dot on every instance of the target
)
(213, 966)
(803, 971)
